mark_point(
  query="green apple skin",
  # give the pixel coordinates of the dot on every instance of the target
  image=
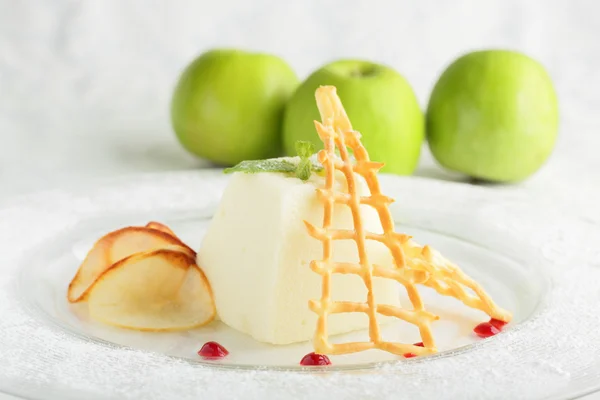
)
(493, 115)
(228, 105)
(380, 103)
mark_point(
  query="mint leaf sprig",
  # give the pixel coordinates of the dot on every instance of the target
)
(304, 150)
(302, 170)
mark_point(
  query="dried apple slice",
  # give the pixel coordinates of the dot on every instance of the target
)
(137, 239)
(114, 247)
(159, 290)
(160, 227)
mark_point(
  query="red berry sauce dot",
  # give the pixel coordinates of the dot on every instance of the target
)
(491, 328)
(212, 351)
(315, 359)
(485, 330)
(411, 355)
(497, 323)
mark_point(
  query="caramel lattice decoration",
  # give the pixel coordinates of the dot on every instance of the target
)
(413, 264)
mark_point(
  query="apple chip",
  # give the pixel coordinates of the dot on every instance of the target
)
(138, 239)
(116, 246)
(160, 227)
(158, 290)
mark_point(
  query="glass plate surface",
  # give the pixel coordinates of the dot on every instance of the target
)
(516, 286)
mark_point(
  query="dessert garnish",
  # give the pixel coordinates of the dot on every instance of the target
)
(301, 170)
(485, 329)
(491, 328)
(160, 227)
(118, 245)
(498, 323)
(413, 264)
(143, 278)
(411, 355)
(315, 359)
(212, 351)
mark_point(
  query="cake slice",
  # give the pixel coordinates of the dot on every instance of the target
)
(256, 255)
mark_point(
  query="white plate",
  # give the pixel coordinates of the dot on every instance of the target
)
(544, 267)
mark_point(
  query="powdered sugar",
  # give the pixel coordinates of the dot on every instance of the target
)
(550, 354)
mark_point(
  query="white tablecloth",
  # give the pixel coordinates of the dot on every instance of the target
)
(85, 86)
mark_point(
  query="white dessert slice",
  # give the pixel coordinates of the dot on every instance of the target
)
(256, 256)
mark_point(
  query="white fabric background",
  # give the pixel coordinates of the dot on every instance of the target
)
(85, 86)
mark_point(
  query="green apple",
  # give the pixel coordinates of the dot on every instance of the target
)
(380, 104)
(493, 115)
(228, 105)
